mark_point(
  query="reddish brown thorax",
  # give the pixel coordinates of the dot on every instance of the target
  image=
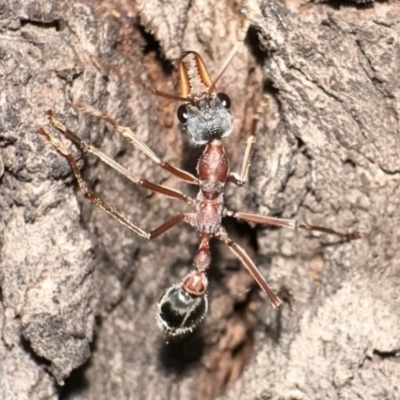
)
(213, 169)
(213, 172)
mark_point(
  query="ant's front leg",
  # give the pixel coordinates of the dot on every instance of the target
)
(139, 144)
(241, 179)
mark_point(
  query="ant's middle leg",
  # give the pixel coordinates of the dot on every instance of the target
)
(87, 148)
(290, 223)
(101, 204)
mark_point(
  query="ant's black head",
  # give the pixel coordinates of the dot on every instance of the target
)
(207, 119)
(178, 312)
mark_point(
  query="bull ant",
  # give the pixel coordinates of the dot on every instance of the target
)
(206, 119)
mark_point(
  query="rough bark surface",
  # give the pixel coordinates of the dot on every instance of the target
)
(79, 291)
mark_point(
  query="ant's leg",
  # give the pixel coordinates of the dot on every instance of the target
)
(241, 179)
(104, 206)
(166, 226)
(240, 253)
(87, 148)
(290, 223)
(135, 141)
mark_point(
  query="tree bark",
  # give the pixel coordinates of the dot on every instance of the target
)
(79, 291)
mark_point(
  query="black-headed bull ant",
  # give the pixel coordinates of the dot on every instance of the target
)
(206, 118)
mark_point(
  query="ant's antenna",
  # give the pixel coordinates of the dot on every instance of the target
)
(128, 76)
(250, 11)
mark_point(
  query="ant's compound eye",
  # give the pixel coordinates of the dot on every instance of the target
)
(225, 100)
(182, 113)
(178, 312)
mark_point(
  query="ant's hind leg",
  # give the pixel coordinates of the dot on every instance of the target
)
(241, 254)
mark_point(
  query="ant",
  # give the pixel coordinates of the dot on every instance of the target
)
(206, 118)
